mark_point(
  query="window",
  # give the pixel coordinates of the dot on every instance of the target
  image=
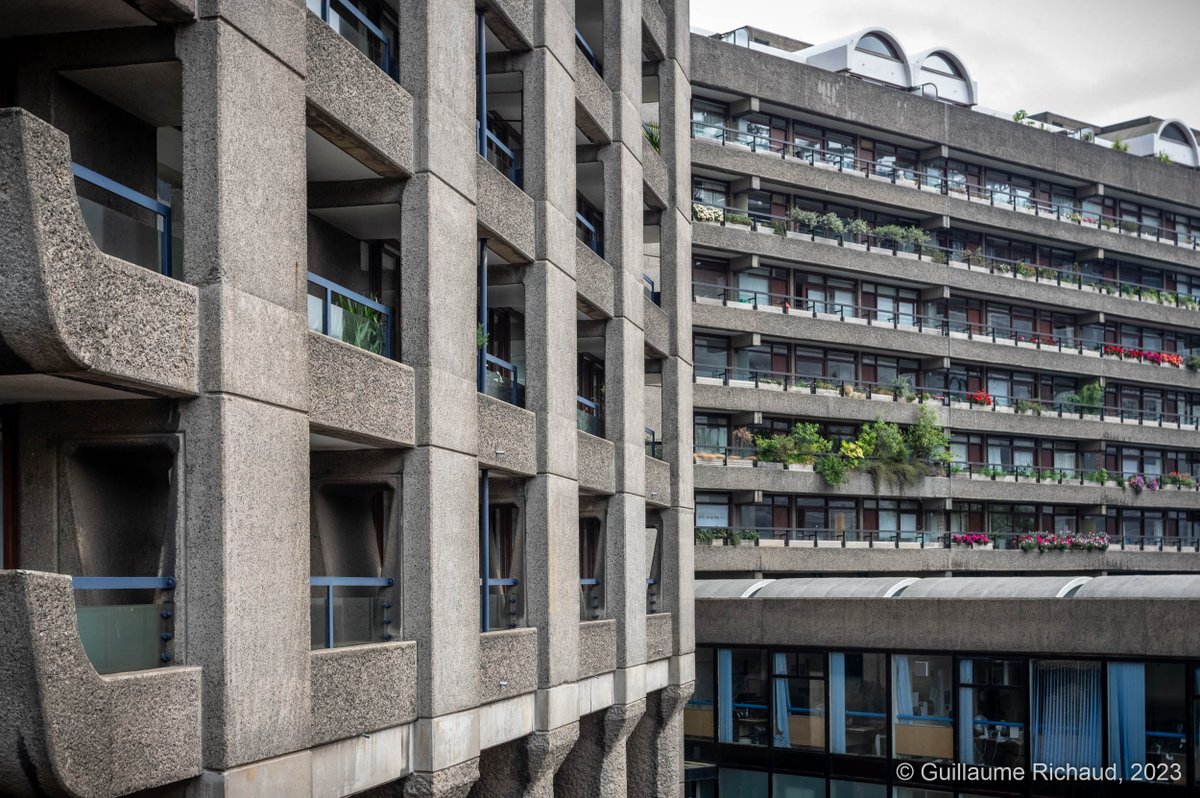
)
(506, 566)
(936, 62)
(1175, 133)
(787, 785)
(711, 436)
(735, 783)
(1146, 716)
(698, 714)
(922, 714)
(798, 698)
(1066, 713)
(709, 192)
(992, 705)
(708, 120)
(591, 569)
(712, 510)
(877, 45)
(857, 704)
(653, 567)
(742, 684)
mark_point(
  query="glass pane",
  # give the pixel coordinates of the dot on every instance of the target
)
(1066, 713)
(922, 715)
(741, 783)
(992, 701)
(122, 637)
(858, 708)
(742, 683)
(130, 234)
(785, 785)
(698, 714)
(356, 620)
(856, 789)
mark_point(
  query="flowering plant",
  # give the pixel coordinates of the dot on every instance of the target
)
(1157, 358)
(971, 539)
(853, 451)
(706, 213)
(1182, 480)
(1138, 483)
(1052, 541)
(980, 397)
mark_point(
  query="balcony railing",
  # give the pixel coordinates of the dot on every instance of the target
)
(586, 49)
(654, 447)
(370, 39)
(502, 381)
(124, 235)
(503, 148)
(503, 603)
(1063, 341)
(652, 292)
(903, 390)
(127, 637)
(591, 600)
(350, 620)
(920, 180)
(589, 233)
(891, 538)
(587, 416)
(348, 316)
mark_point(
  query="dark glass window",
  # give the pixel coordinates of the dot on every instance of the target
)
(936, 62)
(873, 43)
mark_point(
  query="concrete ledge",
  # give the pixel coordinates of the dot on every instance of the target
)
(357, 689)
(596, 693)
(655, 327)
(507, 436)
(596, 458)
(350, 766)
(507, 664)
(658, 636)
(654, 171)
(517, 15)
(593, 102)
(654, 20)
(355, 105)
(359, 395)
(800, 251)
(505, 210)
(1126, 627)
(509, 719)
(67, 308)
(658, 482)
(593, 278)
(808, 405)
(800, 560)
(67, 729)
(597, 647)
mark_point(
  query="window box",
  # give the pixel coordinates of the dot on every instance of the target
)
(800, 467)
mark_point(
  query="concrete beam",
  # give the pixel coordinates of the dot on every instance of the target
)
(352, 193)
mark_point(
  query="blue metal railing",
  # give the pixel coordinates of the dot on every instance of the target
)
(506, 159)
(374, 335)
(149, 203)
(123, 582)
(655, 295)
(501, 368)
(587, 415)
(653, 444)
(586, 49)
(390, 67)
(331, 582)
(589, 234)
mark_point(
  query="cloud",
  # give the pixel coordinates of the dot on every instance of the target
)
(1098, 62)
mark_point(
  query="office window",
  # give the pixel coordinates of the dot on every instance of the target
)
(506, 562)
(698, 714)
(856, 789)
(788, 785)
(922, 702)
(993, 701)
(857, 704)
(712, 509)
(591, 569)
(1146, 714)
(735, 783)
(708, 119)
(1066, 713)
(742, 685)
(798, 700)
(711, 356)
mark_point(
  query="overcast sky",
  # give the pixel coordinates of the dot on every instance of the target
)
(1102, 61)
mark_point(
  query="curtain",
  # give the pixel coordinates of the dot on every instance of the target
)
(902, 691)
(1066, 713)
(782, 700)
(966, 707)
(1126, 715)
(725, 695)
(837, 703)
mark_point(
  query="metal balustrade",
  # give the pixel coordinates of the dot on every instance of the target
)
(929, 539)
(126, 637)
(122, 235)
(369, 617)
(340, 313)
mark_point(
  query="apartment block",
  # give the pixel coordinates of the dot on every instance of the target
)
(345, 394)
(946, 433)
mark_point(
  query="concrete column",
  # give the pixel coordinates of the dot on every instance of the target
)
(243, 595)
(655, 758)
(441, 502)
(525, 768)
(596, 765)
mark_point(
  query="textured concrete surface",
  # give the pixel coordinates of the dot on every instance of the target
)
(551, 590)
(68, 308)
(525, 768)
(658, 482)
(656, 328)
(73, 731)
(357, 689)
(656, 745)
(654, 170)
(507, 664)
(451, 782)
(597, 644)
(595, 279)
(593, 102)
(658, 636)
(595, 463)
(353, 103)
(596, 766)
(506, 437)
(505, 210)
(357, 394)
(277, 26)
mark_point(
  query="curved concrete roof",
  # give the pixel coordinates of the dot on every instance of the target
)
(1170, 586)
(834, 587)
(727, 588)
(993, 587)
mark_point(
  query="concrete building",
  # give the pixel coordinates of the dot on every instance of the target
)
(346, 386)
(925, 334)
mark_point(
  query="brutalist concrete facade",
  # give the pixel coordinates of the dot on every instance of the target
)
(183, 183)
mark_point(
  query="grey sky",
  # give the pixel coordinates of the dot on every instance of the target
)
(1102, 61)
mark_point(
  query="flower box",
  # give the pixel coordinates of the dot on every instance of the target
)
(800, 467)
(772, 542)
(883, 397)
(960, 405)
(773, 466)
(826, 392)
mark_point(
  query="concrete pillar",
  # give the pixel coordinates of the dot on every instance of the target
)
(525, 768)
(441, 501)
(243, 612)
(655, 748)
(596, 766)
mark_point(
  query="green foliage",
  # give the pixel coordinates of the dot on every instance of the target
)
(833, 469)
(1162, 157)
(1028, 406)
(893, 233)
(707, 534)
(858, 227)
(833, 224)
(925, 440)
(1120, 146)
(737, 218)
(937, 256)
(1019, 116)
(653, 134)
(805, 217)
(362, 326)
(1192, 362)
(883, 440)
(481, 338)
(801, 445)
(779, 228)
(1099, 476)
